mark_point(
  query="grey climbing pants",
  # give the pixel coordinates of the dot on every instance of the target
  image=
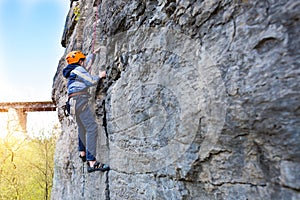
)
(87, 126)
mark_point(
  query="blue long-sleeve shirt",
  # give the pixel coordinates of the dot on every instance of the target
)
(79, 79)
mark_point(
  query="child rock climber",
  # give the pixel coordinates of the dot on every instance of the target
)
(79, 80)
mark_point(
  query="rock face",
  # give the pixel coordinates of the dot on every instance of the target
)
(201, 100)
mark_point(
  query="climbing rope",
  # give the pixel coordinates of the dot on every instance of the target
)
(83, 180)
(90, 58)
(95, 29)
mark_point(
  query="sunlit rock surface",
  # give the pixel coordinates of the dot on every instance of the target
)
(201, 100)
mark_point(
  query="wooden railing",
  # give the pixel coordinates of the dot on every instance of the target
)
(28, 106)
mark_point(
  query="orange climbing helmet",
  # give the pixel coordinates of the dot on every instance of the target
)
(74, 57)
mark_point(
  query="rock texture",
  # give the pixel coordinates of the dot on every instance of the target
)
(201, 100)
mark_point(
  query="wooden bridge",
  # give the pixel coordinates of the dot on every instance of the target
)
(17, 112)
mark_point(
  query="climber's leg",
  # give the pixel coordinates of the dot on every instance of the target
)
(90, 125)
(88, 122)
(81, 139)
(81, 136)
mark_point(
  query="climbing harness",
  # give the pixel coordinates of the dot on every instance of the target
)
(66, 108)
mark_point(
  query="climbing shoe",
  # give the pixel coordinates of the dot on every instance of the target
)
(97, 167)
(83, 158)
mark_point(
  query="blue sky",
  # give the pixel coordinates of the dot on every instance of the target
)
(30, 35)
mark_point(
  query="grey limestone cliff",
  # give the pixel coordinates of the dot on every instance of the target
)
(201, 100)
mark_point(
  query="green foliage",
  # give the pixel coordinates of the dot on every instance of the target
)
(26, 166)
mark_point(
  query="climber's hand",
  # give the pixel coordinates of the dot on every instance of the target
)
(102, 74)
(97, 50)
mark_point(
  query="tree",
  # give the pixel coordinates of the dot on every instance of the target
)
(26, 166)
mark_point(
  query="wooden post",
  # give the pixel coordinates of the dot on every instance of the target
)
(17, 119)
